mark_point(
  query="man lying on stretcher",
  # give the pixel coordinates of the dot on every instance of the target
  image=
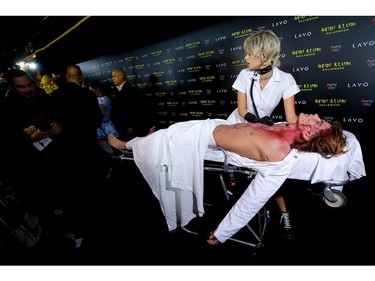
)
(271, 143)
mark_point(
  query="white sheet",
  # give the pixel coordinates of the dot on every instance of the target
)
(171, 161)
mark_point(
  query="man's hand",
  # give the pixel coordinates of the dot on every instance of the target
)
(212, 239)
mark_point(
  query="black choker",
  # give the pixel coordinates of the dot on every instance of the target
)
(264, 70)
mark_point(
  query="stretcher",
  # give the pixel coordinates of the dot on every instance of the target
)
(173, 162)
(331, 174)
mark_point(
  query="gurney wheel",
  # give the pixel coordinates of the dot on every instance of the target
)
(340, 199)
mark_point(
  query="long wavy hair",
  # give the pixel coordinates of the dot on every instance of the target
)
(327, 143)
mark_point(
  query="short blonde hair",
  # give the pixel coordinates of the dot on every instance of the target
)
(264, 45)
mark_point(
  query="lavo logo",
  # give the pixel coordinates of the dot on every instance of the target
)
(363, 44)
(279, 23)
(235, 48)
(302, 35)
(358, 85)
(220, 38)
(300, 102)
(302, 68)
(352, 120)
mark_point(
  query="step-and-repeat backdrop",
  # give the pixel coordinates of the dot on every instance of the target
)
(190, 77)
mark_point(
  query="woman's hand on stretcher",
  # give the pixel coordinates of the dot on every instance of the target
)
(212, 239)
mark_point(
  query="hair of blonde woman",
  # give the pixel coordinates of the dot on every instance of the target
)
(264, 45)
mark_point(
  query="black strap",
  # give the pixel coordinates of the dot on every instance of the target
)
(252, 99)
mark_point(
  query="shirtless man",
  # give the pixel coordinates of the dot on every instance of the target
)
(267, 143)
(272, 143)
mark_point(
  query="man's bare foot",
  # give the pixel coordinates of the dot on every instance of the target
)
(116, 143)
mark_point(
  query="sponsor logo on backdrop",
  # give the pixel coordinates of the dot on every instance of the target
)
(172, 103)
(335, 49)
(170, 82)
(329, 119)
(206, 41)
(331, 86)
(221, 77)
(330, 102)
(156, 53)
(158, 73)
(239, 62)
(194, 92)
(307, 87)
(208, 102)
(357, 85)
(279, 23)
(366, 103)
(338, 28)
(181, 70)
(261, 28)
(190, 57)
(337, 65)
(192, 69)
(277, 117)
(363, 44)
(301, 19)
(196, 113)
(221, 91)
(221, 65)
(160, 94)
(145, 56)
(141, 85)
(207, 66)
(371, 63)
(300, 69)
(221, 51)
(302, 35)
(222, 115)
(161, 113)
(221, 102)
(206, 79)
(241, 33)
(139, 66)
(352, 120)
(192, 45)
(183, 93)
(129, 59)
(179, 48)
(206, 54)
(300, 102)
(168, 50)
(235, 49)
(191, 80)
(220, 38)
(208, 91)
(169, 61)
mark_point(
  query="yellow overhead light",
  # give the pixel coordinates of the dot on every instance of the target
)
(33, 55)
